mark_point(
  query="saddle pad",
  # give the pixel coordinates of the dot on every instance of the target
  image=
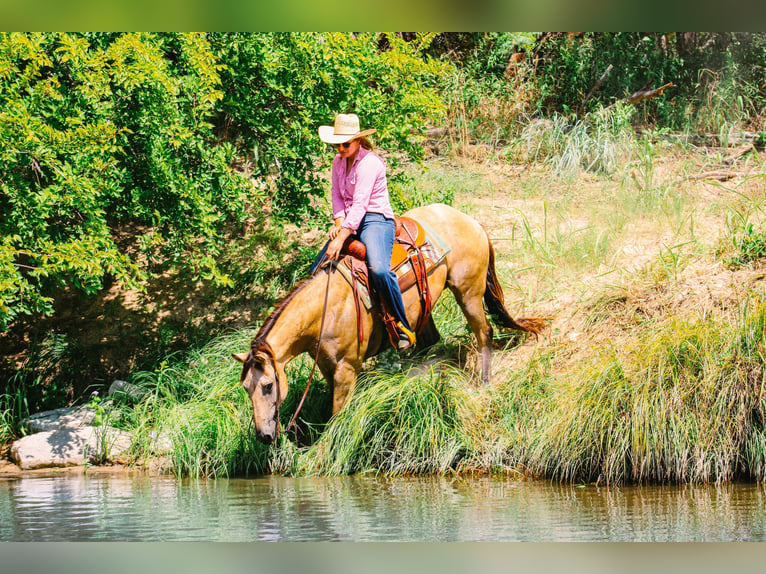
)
(434, 249)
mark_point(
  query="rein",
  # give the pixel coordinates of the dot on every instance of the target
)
(316, 356)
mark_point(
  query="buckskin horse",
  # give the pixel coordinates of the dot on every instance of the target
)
(467, 269)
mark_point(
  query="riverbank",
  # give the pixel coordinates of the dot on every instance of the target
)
(651, 370)
(9, 471)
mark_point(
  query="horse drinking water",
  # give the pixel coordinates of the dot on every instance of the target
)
(467, 269)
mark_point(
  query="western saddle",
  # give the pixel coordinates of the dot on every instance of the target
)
(409, 239)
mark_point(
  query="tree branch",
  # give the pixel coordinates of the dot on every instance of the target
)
(646, 94)
(596, 87)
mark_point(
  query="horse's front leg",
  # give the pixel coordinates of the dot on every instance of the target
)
(342, 377)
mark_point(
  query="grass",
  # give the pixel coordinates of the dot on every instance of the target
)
(195, 414)
(682, 401)
(396, 424)
(684, 404)
(600, 143)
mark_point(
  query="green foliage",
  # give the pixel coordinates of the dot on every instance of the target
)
(8, 417)
(103, 134)
(44, 380)
(749, 245)
(721, 70)
(745, 240)
(99, 132)
(281, 87)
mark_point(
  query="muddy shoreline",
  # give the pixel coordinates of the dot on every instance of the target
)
(9, 470)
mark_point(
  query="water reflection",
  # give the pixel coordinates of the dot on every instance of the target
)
(371, 509)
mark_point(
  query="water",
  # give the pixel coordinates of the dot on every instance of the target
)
(430, 509)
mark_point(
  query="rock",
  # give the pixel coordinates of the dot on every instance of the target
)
(124, 388)
(65, 418)
(160, 444)
(70, 447)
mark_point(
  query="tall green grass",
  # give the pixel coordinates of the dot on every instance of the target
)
(199, 419)
(397, 424)
(684, 403)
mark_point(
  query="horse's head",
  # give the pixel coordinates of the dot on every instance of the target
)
(263, 381)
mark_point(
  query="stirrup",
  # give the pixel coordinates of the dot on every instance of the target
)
(406, 337)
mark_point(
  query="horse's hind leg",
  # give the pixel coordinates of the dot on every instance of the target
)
(472, 304)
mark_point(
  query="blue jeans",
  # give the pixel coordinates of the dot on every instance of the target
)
(377, 233)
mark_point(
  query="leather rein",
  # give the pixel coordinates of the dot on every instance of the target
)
(316, 356)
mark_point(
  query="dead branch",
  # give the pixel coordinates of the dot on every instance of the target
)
(596, 87)
(715, 139)
(717, 175)
(642, 95)
(738, 153)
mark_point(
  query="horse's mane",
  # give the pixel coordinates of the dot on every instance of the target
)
(259, 341)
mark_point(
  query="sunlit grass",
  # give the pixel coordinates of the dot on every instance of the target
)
(397, 423)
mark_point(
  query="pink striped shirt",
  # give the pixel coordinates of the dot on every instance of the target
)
(362, 189)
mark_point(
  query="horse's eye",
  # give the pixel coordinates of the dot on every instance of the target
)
(266, 389)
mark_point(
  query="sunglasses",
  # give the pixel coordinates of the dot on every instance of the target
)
(345, 144)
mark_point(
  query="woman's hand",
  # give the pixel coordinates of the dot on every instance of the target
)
(335, 229)
(338, 239)
(333, 233)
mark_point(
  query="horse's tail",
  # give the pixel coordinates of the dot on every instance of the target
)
(495, 302)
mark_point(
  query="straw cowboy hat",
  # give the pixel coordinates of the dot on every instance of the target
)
(345, 129)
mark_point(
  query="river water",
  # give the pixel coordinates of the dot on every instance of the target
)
(422, 509)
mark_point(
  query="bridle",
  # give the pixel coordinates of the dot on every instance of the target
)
(261, 345)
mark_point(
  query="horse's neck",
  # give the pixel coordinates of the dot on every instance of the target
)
(297, 328)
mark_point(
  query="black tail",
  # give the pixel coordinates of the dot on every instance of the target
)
(495, 302)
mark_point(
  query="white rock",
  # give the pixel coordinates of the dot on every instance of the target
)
(65, 418)
(124, 388)
(69, 447)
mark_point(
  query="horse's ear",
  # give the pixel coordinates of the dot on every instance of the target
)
(241, 357)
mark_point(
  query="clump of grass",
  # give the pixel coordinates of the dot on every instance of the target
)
(199, 414)
(683, 404)
(397, 424)
(7, 420)
(599, 143)
(563, 244)
(197, 411)
(745, 238)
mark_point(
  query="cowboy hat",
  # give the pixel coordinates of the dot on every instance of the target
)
(346, 128)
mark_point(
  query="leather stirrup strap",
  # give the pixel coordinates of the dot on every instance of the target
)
(421, 278)
(355, 264)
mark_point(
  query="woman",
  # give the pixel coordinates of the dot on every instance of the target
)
(361, 206)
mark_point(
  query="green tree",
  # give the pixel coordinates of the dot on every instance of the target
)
(281, 87)
(101, 132)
